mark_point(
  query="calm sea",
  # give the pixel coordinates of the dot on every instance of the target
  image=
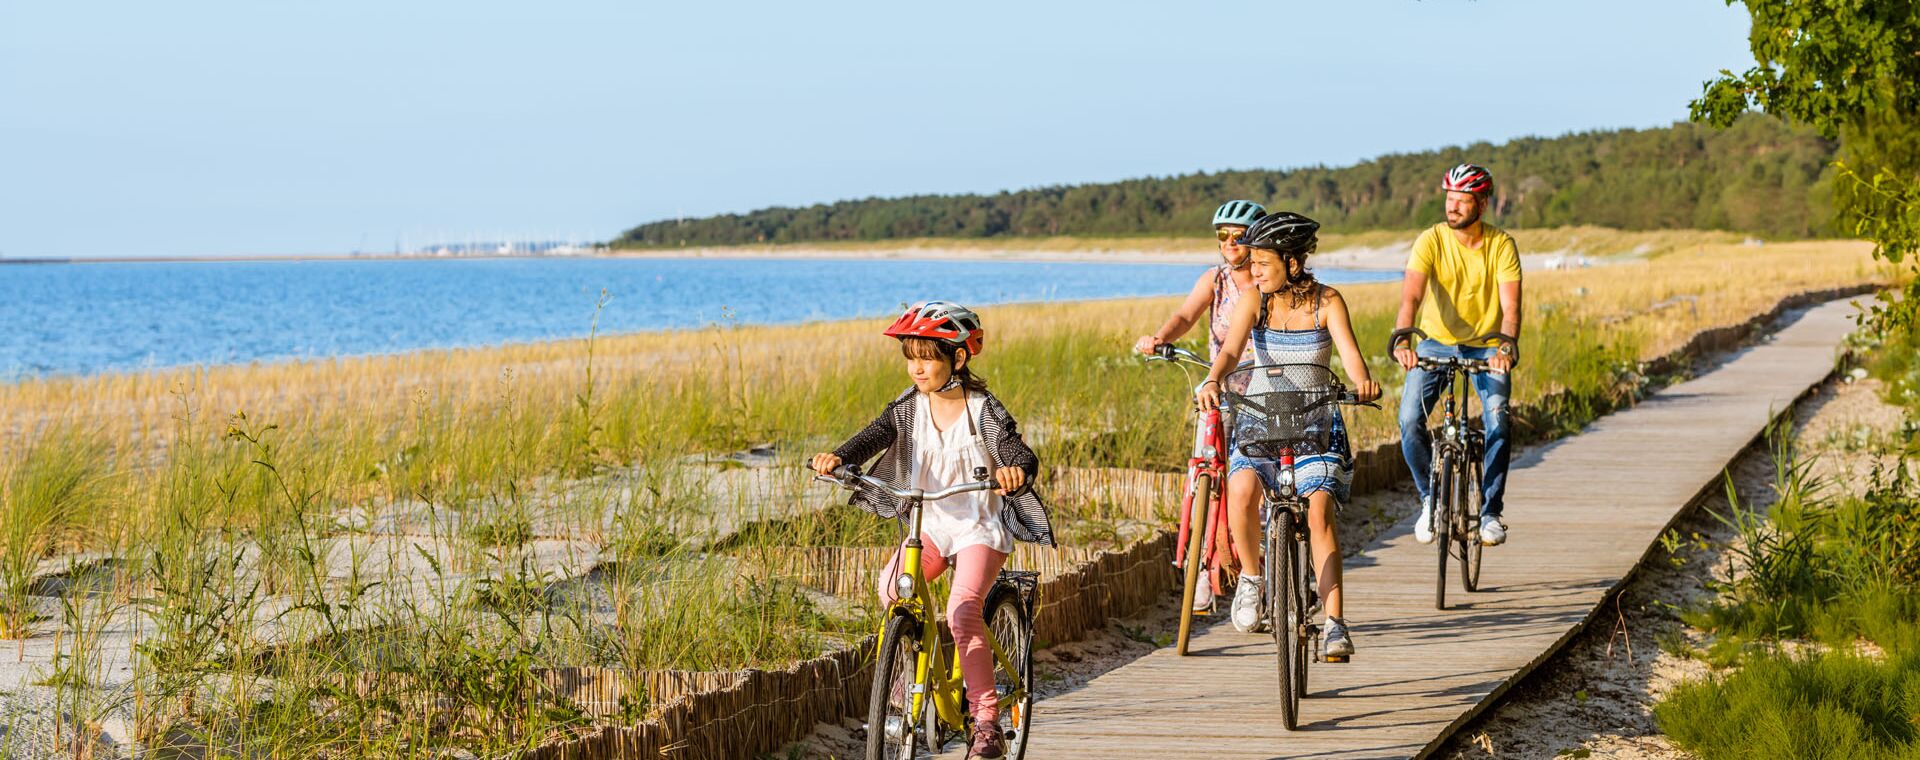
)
(67, 319)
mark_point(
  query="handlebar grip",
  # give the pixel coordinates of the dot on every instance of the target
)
(1402, 334)
(846, 472)
(1496, 336)
(1163, 350)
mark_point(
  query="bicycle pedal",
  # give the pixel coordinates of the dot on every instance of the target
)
(1335, 658)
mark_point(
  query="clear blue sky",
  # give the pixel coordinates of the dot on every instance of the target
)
(234, 128)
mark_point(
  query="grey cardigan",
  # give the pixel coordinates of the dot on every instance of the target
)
(891, 436)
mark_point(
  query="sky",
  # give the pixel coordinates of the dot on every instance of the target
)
(214, 128)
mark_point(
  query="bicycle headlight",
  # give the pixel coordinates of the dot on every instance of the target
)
(1286, 477)
(903, 586)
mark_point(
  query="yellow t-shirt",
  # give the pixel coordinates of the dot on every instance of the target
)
(1463, 284)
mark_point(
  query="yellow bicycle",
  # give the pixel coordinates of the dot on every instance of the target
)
(918, 702)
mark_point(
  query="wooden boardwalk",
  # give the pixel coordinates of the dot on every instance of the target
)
(1583, 512)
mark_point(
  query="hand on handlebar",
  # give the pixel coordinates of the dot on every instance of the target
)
(824, 463)
(1405, 356)
(1145, 345)
(1009, 479)
(1402, 342)
(1207, 396)
(1366, 391)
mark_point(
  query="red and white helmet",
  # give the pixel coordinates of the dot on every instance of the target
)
(944, 321)
(1468, 178)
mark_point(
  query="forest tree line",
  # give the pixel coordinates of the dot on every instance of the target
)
(1760, 177)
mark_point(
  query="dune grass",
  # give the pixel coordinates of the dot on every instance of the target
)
(1818, 632)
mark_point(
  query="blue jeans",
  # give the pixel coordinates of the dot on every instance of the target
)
(1416, 401)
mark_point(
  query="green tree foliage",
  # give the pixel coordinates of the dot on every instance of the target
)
(1760, 177)
(1850, 69)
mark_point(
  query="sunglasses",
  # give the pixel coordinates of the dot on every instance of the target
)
(1225, 236)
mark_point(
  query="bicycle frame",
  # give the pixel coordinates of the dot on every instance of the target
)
(1287, 499)
(1452, 434)
(1209, 458)
(1455, 434)
(944, 683)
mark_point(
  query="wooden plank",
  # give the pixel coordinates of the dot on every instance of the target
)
(1583, 512)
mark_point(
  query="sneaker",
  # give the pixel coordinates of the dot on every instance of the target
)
(1423, 525)
(1492, 531)
(1246, 605)
(1338, 643)
(987, 741)
(1203, 594)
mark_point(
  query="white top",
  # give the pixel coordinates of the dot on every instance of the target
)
(947, 458)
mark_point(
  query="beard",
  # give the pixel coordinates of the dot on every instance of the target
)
(1464, 222)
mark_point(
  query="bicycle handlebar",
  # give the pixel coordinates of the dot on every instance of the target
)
(1457, 364)
(1469, 366)
(1349, 398)
(1336, 395)
(1168, 352)
(847, 475)
(1407, 333)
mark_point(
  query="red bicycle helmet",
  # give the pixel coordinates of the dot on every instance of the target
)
(947, 322)
(1468, 178)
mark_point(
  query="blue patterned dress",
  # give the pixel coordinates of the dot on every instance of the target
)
(1331, 470)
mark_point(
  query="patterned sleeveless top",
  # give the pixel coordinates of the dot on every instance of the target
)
(1330, 470)
(1225, 297)
(1279, 346)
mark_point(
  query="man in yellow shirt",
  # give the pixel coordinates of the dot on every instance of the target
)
(1463, 282)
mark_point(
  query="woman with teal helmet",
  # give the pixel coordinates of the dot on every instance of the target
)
(1220, 287)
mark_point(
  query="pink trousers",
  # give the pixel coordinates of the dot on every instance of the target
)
(974, 569)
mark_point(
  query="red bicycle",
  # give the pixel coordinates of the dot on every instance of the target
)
(1203, 523)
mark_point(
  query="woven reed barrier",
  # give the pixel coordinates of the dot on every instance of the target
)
(755, 711)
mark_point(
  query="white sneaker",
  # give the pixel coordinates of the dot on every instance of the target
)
(1203, 593)
(1492, 531)
(1246, 605)
(1338, 643)
(1423, 526)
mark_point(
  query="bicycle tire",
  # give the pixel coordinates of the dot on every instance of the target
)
(1285, 614)
(1007, 619)
(1303, 627)
(1441, 489)
(894, 665)
(1201, 502)
(1470, 555)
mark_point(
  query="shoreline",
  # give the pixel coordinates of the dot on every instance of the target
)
(1357, 258)
(1546, 248)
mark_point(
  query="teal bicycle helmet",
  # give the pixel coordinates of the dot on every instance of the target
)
(1242, 213)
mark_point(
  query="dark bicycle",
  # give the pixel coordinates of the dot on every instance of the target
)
(1286, 412)
(1459, 447)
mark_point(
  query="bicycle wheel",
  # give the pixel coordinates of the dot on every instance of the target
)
(1470, 497)
(891, 731)
(1285, 612)
(1007, 620)
(1200, 503)
(1303, 624)
(1442, 491)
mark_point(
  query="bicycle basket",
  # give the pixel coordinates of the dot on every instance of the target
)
(1282, 406)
